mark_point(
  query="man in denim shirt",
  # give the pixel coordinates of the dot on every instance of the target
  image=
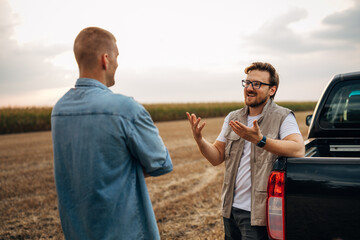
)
(104, 145)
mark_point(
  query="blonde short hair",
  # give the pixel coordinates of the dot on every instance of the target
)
(91, 43)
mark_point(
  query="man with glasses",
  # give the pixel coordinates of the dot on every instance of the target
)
(250, 141)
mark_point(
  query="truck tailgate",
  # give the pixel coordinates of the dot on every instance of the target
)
(322, 199)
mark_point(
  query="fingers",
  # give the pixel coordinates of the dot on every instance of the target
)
(196, 126)
(232, 125)
(237, 125)
(202, 126)
(257, 128)
(256, 125)
(194, 122)
(191, 118)
(196, 129)
(188, 115)
(240, 129)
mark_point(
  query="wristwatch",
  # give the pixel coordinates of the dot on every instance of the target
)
(262, 142)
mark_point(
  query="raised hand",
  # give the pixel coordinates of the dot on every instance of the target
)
(196, 129)
(251, 134)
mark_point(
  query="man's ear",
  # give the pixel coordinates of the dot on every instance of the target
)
(105, 61)
(273, 90)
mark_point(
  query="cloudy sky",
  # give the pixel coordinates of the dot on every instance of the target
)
(179, 50)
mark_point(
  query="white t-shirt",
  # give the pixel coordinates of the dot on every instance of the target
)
(242, 191)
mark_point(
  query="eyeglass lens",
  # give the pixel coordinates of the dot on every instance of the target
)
(247, 83)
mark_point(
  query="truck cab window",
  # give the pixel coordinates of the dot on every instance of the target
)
(342, 109)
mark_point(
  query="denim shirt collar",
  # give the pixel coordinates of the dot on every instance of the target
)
(89, 82)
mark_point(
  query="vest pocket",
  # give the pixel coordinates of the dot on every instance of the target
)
(231, 149)
(231, 137)
(259, 206)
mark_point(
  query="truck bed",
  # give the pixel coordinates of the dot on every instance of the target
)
(333, 147)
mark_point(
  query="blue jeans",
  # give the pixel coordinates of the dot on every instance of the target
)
(238, 227)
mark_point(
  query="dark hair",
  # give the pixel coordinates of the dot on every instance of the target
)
(267, 67)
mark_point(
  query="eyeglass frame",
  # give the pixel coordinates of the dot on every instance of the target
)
(252, 84)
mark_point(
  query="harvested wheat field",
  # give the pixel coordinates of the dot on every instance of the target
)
(186, 201)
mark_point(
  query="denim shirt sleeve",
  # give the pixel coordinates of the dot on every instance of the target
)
(146, 145)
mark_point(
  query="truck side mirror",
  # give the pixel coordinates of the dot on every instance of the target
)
(308, 119)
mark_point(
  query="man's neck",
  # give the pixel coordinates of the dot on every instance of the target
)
(254, 111)
(98, 77)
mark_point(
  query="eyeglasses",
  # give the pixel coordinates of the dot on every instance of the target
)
(254, 84)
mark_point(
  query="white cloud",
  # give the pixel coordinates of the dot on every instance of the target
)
(25, 66)
(343, 26)
(276, 36)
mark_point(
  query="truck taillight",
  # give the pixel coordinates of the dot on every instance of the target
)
(275, 205)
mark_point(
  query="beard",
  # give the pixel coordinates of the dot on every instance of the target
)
(257, 102)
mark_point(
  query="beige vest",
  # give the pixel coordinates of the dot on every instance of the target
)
(261, 160)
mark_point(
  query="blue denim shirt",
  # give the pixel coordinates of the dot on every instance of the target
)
(102, 142)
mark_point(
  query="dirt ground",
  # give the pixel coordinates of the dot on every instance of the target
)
(186, 201)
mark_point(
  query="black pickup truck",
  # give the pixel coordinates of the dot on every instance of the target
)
(318, 196)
